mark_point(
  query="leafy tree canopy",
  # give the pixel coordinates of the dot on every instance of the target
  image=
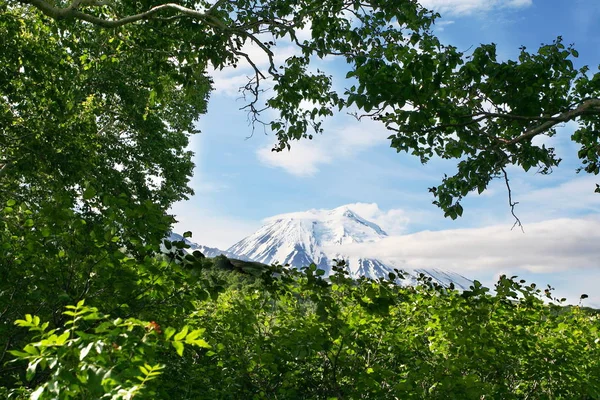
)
(435, 99)
(94, 127)
(97, 101)
(98, 98)
(93, 117)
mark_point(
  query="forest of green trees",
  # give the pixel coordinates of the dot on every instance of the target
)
(98, 100)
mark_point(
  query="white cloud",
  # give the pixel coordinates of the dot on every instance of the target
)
(466, 7)
(227, 83)
(306, 156)
(210, 228)
(575, 195)
(574, 285)
(441, 25)
(564, 147)
(548, 246)
(393, 221)
(302, 160)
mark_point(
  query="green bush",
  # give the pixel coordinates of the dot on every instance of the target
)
(294, 335)
(95, 357)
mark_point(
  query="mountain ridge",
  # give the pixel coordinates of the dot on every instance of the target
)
(317, 236)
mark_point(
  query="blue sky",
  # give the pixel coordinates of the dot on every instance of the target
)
(239, 182)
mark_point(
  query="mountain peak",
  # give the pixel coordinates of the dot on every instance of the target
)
(317, 236)
(300, 238)
(347, 212)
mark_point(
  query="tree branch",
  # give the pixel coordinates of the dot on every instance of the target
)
(585, 107)
(3, 168)
(511, 203)
(73, 12)
(272, 67)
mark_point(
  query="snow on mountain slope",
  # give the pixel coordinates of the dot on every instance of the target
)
(301, 238)
(319, 236)
(298, 239)
(445, 278)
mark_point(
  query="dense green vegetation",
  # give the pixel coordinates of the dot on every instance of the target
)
(97, 102)
(273, 333)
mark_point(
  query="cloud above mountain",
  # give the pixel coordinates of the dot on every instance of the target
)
(393, 221)
(548, 246)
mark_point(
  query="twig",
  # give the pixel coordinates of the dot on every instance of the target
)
(511, 203)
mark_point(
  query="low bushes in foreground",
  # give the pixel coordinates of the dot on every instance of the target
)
(281, 334)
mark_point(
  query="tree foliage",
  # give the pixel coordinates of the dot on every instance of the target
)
(94, 130)
(119, 351)
(97, 102)
(90, 117)
(436, 100)
(293, 335)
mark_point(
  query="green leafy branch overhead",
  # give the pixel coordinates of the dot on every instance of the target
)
(436, 100)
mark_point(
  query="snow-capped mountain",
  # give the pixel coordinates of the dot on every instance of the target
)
(318, 236)
(299, 239)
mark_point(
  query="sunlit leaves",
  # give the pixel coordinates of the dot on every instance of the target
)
(95, 354)
(376, 339)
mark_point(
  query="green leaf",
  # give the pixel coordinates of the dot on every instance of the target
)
(63, 338)
(178, 347)
(200, 343)
(20, 354)
(84, 352)
(194, 334)
(31, 369)
(89, 193)
(30, 349)
(169, 332)
(35, 395)
(181, 334)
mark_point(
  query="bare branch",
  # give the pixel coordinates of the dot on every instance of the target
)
(272, 68)
(587, 106)
(458, 125)
(511, 203)
(3, 168)
(487, 114)
(359, 117)
(72, 11)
